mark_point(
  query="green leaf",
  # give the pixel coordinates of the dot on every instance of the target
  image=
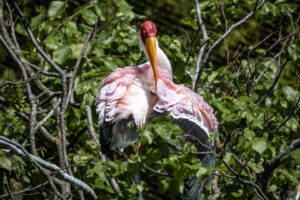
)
(36, 21)
(88, 15)
(249, 134)
(100, 10)
(296, 155)
(259, 144)
(237, 193)
(61, 54)
(56, 9)
(133, 189)
(201, 171)
(5, 163)
(294, 51)
(82, 158)
(206, 6)
(72, 27)
(88, 98)
(51, 43)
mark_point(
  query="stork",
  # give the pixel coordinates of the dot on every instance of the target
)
(133, 93)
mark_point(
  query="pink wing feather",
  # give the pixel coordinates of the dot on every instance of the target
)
(181, 102)
(175, 100)
(113, 89)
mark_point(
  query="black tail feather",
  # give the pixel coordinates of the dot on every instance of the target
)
(197, 136)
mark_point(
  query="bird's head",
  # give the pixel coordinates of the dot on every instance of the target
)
(148, 40)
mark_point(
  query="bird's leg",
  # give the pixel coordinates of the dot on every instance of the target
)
(138, 149)
(136, 178)
(129, 151)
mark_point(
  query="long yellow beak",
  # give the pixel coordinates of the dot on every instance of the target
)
(151, 50)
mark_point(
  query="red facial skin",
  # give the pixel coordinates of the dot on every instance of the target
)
(148, 29)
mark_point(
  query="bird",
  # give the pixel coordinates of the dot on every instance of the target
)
(135, 93)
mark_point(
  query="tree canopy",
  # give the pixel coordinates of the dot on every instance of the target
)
(241, 56)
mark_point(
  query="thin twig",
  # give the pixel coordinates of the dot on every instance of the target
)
(199, 66)
(9, 192)
(157, 172)
(71, 83)
(15, 83)
(274, 81)
(16, 148)
(242, 21)
(214, 186)
(113, 183)
(270, 166)
(226, 28)
(293, 111)
(35, 43)
(23, 192)
(248, 183)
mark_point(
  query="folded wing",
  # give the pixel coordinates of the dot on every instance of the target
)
(196, 119)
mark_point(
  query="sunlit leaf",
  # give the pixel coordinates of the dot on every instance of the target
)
(259, 145)
(57, 9)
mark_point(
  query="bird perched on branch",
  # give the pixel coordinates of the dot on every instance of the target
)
(134, 93)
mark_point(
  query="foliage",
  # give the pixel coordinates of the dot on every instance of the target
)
(253, 90)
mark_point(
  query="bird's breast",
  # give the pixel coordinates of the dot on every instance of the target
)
(138, 101)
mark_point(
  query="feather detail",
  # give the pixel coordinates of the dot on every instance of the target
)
(129, 92)
(180, 102)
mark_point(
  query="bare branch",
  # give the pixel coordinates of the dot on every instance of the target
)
(248, 183)
(35, 43)
(292, 21)
(199, 66)
(42, 71)
(90, 123)
(273, 164)
(214, 186)
(112, 181)
(186, 72)
(77, 67)
(242, 21)
(12, 145)
(23, 192)
(9, 192)
(5, 83)
(157, 172)
(47, 116)
(226, 28)
(44, 171)
(294, 110)
(274, 81)
(256, 46)
(269, 65)
(201, 63)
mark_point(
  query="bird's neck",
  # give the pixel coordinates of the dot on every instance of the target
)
(162, 59)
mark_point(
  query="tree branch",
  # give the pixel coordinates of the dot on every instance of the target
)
(274, 81)
(242, 21)
(71, 83)
(12, 145)
(214, 186)
(294, 110)
(112, 181)
(273, 164)
(199, 66)
(35, 43)
(23, 192)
